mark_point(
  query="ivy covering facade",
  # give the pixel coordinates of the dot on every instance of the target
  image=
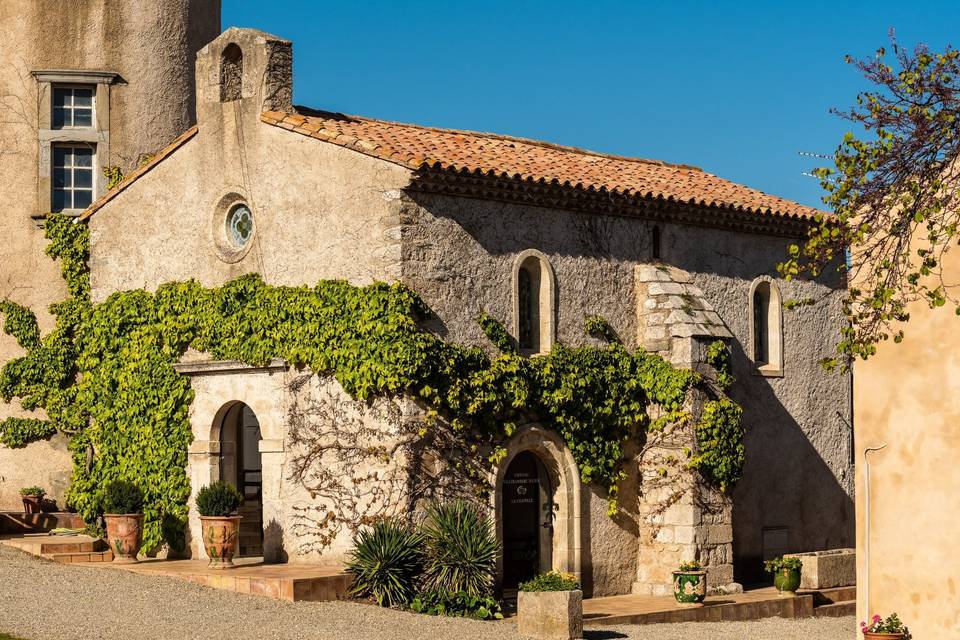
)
(105, 377)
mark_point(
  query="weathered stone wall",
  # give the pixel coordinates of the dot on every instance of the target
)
(320, 211)
(151, 45)
(459, 255)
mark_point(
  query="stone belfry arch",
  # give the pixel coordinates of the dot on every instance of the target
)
(94, 83)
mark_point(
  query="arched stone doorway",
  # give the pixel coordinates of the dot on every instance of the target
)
(528, 511)
(537, 506)
(241, 466)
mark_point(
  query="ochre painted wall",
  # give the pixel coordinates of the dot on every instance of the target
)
(906, 397)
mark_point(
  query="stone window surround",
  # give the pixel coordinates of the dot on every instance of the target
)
(774, 367)
(547, 301)
(47, 136)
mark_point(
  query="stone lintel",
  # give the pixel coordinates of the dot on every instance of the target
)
(226, 367)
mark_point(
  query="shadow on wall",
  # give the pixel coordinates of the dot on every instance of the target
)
(273, 550)
(788, 494)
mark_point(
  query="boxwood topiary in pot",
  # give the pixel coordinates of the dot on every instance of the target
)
(550, 606)
(123, 512)
(217, 504)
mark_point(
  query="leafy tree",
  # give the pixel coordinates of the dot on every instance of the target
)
(893, 192)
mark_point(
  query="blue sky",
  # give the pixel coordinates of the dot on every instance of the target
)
(737, 88)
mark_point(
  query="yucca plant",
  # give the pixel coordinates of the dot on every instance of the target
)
(461, 548)
(385, 562)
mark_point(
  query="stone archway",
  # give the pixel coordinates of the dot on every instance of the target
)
(240, 462)
(538, 461)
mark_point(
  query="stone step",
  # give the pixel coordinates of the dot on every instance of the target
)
(78, 558)
(836, 609)
(834, 594)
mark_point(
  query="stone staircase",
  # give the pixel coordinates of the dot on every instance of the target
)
(63, 549)
(251, 529)
(835, 602)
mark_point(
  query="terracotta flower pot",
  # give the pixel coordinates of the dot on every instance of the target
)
(871, 635)
(787, 581)
(220, 537)
(125, 534)
(690, 587)
(31, 504)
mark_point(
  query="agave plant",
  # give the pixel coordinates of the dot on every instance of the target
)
(461, 548)
(385, 562)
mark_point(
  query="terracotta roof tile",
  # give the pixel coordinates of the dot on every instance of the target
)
(415, 147)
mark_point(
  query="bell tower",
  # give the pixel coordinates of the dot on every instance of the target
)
(87, 88)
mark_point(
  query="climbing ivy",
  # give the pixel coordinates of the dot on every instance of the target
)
(721, 454)
(20, 323)
(495, 332)
(598, 327)
(19, 432)
(105, 375)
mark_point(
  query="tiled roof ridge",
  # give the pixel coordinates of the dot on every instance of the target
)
(310, 112)
(410, 146)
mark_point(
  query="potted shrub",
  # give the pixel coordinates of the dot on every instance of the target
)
(217, 504)
(123, 511)
(32, 498)
(550, 607)
(786, 574)
(890, 628)
(690, 584)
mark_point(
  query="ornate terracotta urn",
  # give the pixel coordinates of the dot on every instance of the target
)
(124, 534)
(220, 537)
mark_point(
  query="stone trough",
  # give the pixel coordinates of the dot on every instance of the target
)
(826, 569)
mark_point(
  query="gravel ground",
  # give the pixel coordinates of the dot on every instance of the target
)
(46, 601)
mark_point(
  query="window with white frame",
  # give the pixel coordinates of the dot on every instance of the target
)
(72, 174)
(72, 106)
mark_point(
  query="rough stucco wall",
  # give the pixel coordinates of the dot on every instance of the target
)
(459, 255)
(152, 46)
(798, 473)
(905, 397)
(321, 212)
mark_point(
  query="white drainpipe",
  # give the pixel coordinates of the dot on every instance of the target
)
(866, 541)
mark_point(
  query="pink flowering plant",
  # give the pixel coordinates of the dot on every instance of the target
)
(891, 624)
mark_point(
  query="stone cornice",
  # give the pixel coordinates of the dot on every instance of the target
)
(518, 190)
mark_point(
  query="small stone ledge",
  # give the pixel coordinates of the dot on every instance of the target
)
(227, 367)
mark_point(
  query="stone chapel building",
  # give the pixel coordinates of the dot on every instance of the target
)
(536, 234)
(539, 236)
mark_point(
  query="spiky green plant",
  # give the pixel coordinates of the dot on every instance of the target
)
(385, 562)
(461, 548)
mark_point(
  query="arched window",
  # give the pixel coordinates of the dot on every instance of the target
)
(767, 336)
(231, 73)
(533, 306)
(655, 242)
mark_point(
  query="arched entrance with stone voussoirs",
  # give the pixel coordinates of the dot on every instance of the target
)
(241, 465)
(537, 507)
